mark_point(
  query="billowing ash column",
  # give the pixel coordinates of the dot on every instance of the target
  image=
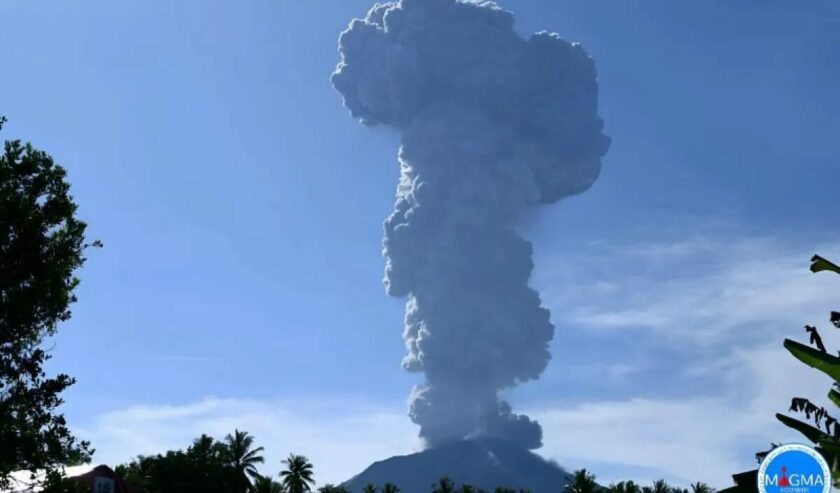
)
(492, 126)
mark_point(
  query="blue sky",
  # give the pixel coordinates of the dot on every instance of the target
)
(241, 210)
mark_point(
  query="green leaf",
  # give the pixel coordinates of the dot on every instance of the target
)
(811, 433)
(835, 471)
(830, 444)
(834, 396)
(819, 264)
(829, 448)
(826, 363)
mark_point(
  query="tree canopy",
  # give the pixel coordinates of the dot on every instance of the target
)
(41, 246)
(205, 466)
(298, 475)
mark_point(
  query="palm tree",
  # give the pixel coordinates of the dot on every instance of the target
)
(242, 457)
(659, 486)
(204, 451)
(390, 488)
(369, 488)
(297, 477)
(700, 487)
(467, 488)
(582, 482)
(264, 484)
(624, 487)
(444, 485)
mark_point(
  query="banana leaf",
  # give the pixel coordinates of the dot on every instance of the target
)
(830, 450)
(826, 363)
(834, 396)
(819, 264)
(830, 445)
(811, 433)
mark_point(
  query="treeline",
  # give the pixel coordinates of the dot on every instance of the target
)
(211, 466)
(230, 466)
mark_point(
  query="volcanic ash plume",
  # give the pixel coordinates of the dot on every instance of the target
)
(492, 125)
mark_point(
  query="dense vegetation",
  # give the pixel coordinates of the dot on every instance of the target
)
(41, 246)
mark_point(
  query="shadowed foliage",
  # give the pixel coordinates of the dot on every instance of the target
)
(700, 487)
(390, 488)
(624, 487)
(41, 246)
(298, 475)
(658, 486)
(369, 488)
(204, 467)
(243, 458)
(443, 485)
(264, 484)
(582, 482)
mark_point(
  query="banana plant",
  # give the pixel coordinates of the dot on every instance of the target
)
(825, 432)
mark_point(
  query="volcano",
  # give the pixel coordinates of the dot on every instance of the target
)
(485, 463)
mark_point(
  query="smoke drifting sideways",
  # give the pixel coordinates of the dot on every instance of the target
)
(492, 125)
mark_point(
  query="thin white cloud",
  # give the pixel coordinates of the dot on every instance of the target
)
(340, 436)
(695, 439)
(699, 291)
(733, 299)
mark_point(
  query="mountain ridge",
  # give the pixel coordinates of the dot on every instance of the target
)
(485, 463)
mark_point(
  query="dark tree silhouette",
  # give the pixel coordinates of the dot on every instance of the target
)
(264, 484)
(467, 488)
(390, 488)
(243, 458)
(369, 488)
(700, 487)
(659, 486)
(204, 467)
(443, 485)
(624, 487)
(41, 246)
(297, 477)
(582, 482)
